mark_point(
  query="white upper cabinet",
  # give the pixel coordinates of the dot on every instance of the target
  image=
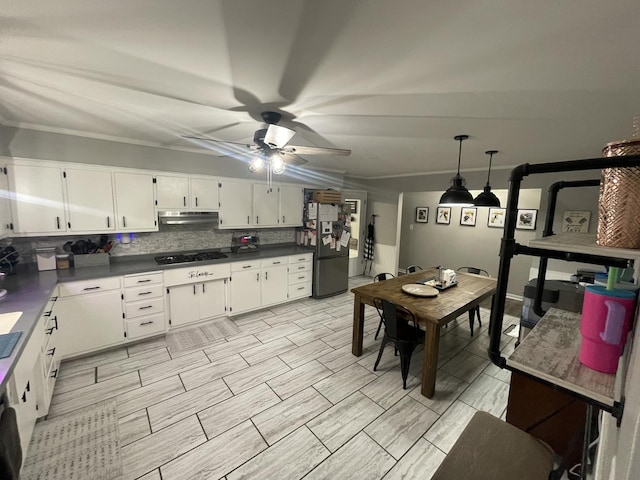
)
(236, 200)
(204, 194)
(265, 205)
(38, 205)
(135, 206)
(90, 203)
(172, 192)
(178, 192)
(291, 203)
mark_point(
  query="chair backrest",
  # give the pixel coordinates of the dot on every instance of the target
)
(383, 276)
(474, 270)
(391, 319)
(413, 268)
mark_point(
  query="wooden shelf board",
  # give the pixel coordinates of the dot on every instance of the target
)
(582, 243)
(550, 352)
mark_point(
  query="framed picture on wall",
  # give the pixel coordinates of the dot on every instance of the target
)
(576, 221)
(527, 219)
(443, 215)
(496, 217)
(468, 216)
(422, 214)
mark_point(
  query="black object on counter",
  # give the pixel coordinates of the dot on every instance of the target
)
(8, 260)
(189, 257)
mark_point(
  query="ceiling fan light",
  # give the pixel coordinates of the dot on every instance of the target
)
(256, 164)
(277, 164)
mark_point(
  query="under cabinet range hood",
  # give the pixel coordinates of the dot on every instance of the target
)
(179, 217)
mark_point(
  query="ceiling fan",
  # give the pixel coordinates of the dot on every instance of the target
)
(273, 141)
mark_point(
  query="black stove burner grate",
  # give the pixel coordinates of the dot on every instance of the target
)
(189, 257)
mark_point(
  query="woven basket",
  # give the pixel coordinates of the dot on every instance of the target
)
(619, 204)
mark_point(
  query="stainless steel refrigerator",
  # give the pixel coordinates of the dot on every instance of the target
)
(329, 223)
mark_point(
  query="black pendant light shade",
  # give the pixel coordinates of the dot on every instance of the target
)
(457, 194)
(487, 198)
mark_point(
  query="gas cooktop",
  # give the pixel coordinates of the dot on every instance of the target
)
(189, 257)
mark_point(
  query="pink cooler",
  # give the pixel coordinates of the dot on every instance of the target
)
(605, 323)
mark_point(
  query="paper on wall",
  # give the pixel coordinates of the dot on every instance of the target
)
(344, 239)
(338, 246)
(326, 228)
(312, 238)
(327, 212)
(312, 211)
(333, 243)
(326, 240)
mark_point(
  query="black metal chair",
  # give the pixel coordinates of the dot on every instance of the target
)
(413, 268)
(401, 329)
(476, 310)
(379, 278)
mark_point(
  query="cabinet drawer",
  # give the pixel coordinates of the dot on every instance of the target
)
(142, 279)
(141, 327)
(300, 267)
(50, 325)
(30, 354)
(269, 262)
(144, 307)
(50, 357)
(143, 293)
(299, 277)
(305, 257)
(248, 265)
(90, 286)
(300, 290)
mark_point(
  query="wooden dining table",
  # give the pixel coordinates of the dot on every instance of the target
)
(431, 312)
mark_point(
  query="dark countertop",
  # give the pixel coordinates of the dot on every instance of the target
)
(29, 290)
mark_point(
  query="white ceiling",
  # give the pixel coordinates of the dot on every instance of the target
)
(394, 81)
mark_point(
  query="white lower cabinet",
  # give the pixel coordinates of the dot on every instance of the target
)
(90, 315)
(274, 285)
(144, 311)
(300, 275)
(245, 287)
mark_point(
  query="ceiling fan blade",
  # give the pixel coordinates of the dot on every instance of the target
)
(278, 136)
(205, 139)
(293, 159)
(300, 150)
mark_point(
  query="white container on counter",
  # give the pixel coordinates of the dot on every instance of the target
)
(46, 258)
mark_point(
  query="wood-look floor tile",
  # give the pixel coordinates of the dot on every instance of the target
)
(285, 317)
(279, 331)
(284, 308)
(311, 310)
(254, 326)
(341, 322)
(465, 365)
(343, 383)
(74, 381)
(305, 353)
(209, 372)
(397, 429)
(289, 459)
(452, 344)
(298, 379)
(161, 447)
(255, 375)
(343, 312)
(81, 397)
(361, 458)
(278, 421)
(339, 338)
(448, 389)
(488, 394)
(313, 320)
(344, 420)
(260, 353)
(235, 410)
(146, 345)
(185, 404)
(501, 374)
(153, 475)
(253, 316)
(309, 335)
(444, 433)
(339, 358)
(419, 463)
(387, 389)
(217, 457)
(143, 359)
(148, 395)
(388, 361)
(156, 372)
(224, 350)
(69, 367)
(133, 427)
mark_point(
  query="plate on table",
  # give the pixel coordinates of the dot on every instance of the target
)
(419, 290)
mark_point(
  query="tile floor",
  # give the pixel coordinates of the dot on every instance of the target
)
(284, 398)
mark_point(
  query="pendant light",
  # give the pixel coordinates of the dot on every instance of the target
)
(457, 194)
(487, 198)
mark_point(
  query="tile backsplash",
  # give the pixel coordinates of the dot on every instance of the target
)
(169, 238)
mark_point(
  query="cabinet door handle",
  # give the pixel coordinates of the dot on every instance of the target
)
(246, 266)
(58, 222)
(258, 277)
(248, 220)
(52, 351)
(146, 323)
(301, 268)
(90, 288)
(124, 222)
(145, 293)
(108, 223)
(55, 322)
(257, 221)
(184, 201)
(24, 397)
(276, 263)
(54, 374)
(145, 307)
(194, 289)
(203, 288)
(266, 275)
(144, 281)
(301, 278)
(50, 331)
(48, 314)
